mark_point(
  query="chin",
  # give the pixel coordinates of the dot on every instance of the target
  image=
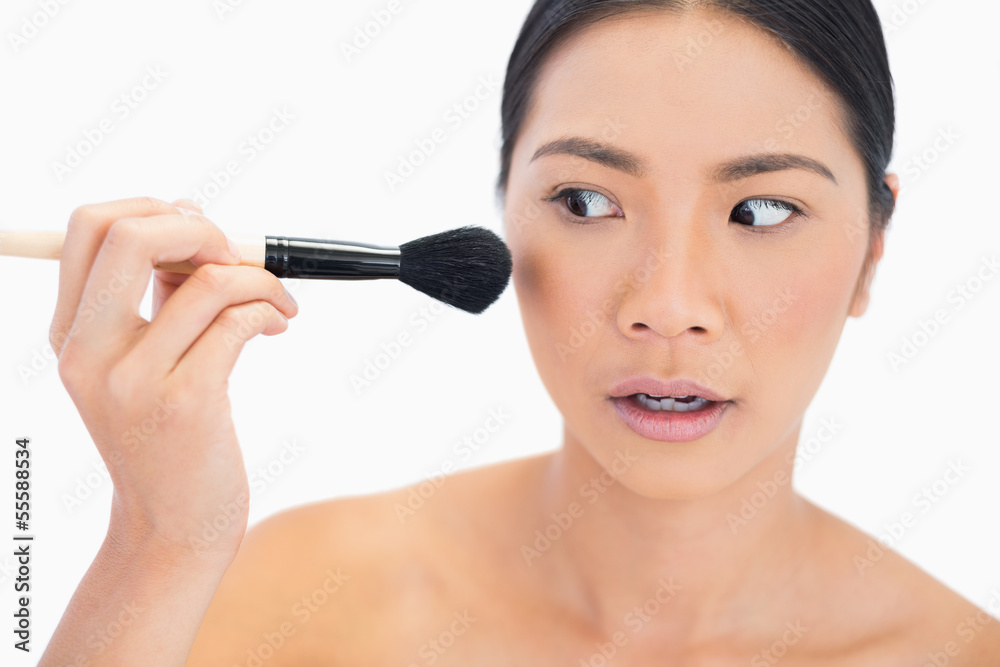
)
(659, 471)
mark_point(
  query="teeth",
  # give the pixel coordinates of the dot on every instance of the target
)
(669, 403)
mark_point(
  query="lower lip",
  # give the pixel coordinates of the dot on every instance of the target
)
(667, 426)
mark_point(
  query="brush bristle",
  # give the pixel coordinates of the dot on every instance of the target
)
(467, 268)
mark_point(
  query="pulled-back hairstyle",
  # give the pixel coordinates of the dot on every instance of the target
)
(840, 40)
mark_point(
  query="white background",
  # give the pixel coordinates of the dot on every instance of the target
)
(324, 175)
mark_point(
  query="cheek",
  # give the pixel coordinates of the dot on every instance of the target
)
(564, 295)
(791, 327)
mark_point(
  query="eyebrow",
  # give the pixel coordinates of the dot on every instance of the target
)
(633, 165)
(764, 163)
(595, 151)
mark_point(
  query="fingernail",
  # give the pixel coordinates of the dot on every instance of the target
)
(234, 249)
(290, 297)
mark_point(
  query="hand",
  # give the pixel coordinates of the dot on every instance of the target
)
(154, 394)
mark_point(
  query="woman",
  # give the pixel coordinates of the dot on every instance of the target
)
(695, 200)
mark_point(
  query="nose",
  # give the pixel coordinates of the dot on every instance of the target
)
(673, 285)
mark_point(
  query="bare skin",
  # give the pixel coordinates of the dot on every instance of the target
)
(654, 562)
(395, 591)
(665, 518)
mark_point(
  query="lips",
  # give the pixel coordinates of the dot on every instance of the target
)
(677, 388)
(669, 425)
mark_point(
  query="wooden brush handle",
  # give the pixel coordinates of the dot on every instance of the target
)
(48, 245)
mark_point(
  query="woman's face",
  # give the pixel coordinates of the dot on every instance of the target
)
(664, 262)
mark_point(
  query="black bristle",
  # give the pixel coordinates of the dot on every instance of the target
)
(467, 268)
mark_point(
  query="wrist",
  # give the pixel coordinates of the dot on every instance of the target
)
(139, 543)
(150, 551)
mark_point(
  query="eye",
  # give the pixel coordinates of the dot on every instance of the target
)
(763, 212)
(587, 204)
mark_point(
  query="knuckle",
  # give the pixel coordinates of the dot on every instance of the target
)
(275, 318)
(211, 278)
(180, 391)
(249, 318)
(275, 315)
(123, 382)
(71, 367)
(84, 217)
(232, 317)
(56, 337)
(278, 293)
(124, 232)
(258, 313)
(65, 370)
(151, 203)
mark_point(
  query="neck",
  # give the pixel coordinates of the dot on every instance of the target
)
(703, 565)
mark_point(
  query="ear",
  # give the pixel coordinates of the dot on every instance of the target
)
(876, 249)
(892, 180)
(862, 292)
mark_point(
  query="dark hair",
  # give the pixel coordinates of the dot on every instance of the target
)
(841, 40)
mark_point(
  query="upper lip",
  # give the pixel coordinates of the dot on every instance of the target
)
(651, 386)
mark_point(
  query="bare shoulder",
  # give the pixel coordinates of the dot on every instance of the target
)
(910, 617)
(337, 581)
(290, 579)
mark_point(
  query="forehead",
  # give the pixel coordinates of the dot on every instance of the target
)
(686, 89)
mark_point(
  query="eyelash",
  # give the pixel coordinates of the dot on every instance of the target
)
(566, 192)
(763, 229)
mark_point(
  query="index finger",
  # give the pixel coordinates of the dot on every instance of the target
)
(165, 283)
(88, 225)
(109, 306)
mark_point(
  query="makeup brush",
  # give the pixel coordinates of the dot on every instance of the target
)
(467, 268)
